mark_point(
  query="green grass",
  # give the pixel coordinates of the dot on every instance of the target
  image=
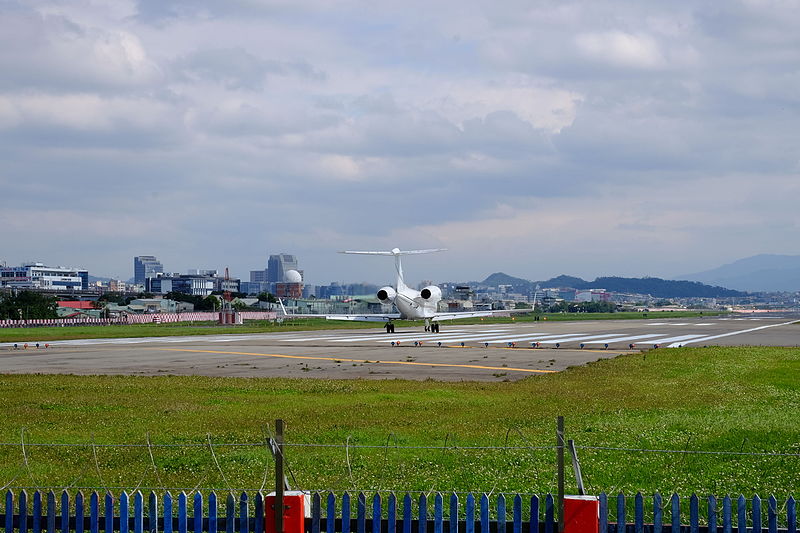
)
(712, 399)
(46, 334)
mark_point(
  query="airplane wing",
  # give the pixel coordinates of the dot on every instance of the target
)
(362, 318)
(477, 314)
(385, 317)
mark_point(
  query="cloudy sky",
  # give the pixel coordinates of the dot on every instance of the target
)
(535, 138)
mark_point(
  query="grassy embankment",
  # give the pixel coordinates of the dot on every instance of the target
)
(713, 399)
(45, 334)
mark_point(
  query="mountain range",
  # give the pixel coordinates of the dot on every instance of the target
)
(656, 287)
(759, 273)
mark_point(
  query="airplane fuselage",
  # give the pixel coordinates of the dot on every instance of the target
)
(412, 306)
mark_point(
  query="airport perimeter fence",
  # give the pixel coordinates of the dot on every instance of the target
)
(146, 318)
(385, 513)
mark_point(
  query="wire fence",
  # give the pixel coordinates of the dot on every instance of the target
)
(390, 465)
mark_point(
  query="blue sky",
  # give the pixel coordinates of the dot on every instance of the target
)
(536, 138)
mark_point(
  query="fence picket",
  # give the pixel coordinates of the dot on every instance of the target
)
(316, 513)
(756, 514)
(534, 514)
(470, 514)
(791, 515)
(361, 513)
(23, 511)
(407, 513)
(452, 519)
(603, 513)
(391, 514)
(138, 512)
(501, 513)
(9, 512)
(484, 513)
(259, 511)
(197, 516)
(123, 511)
(712, 514)
(376, 513)
(727, 521)
(438, 514)
(152, 513)
(675, 512)
(638, 513)
(109, 510)
(549, 522)
(167, 512)
(620, 513)
(330, 514)
(37, 512)
(658, 513)
(244, 511)
(741, 513)
(694, 514)
(79, 513)
(183, 519)
(94, 512)
(212, 512)
(64, 511)
(230, 513)
(346, 512)
(772, 514)
(423, 513)
(517, 514)
(51, 512)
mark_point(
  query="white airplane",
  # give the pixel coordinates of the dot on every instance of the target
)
(411, 304)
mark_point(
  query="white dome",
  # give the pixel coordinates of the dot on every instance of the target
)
(293, 276)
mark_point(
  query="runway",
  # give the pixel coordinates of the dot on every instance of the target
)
(476, 352)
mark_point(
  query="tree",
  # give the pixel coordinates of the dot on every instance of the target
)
(112, 297)
(267, 297)
(27, 304)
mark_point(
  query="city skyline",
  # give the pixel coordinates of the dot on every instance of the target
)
(580, 138)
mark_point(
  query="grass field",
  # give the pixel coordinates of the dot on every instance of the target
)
(45, 334)
(710, 399)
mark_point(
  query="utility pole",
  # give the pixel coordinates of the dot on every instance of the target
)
(560, 461)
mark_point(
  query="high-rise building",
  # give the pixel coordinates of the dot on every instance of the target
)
(146, 266)
(277, 266)
(258, 276)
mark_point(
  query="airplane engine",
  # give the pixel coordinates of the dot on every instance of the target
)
(386, 294)
(431, 292)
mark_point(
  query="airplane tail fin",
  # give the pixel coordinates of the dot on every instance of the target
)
(396, 252)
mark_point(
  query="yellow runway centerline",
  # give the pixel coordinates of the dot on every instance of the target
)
(339, 359)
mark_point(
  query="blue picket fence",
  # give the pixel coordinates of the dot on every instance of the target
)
(131, 513)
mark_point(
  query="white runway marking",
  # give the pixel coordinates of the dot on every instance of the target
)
(623, 339)
(704, 339)
(675, 339)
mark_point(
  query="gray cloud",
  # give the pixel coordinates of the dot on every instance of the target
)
(214, 133)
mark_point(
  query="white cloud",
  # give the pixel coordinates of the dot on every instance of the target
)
(552, 134)
(621, 49)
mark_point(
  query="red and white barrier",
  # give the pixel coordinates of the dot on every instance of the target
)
(134, 319)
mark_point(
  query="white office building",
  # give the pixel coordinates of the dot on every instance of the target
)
(39, 276)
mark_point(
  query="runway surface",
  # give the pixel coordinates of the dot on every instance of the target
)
(476, 352)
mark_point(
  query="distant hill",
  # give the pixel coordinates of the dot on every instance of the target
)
(765, 272)
(656, 287)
